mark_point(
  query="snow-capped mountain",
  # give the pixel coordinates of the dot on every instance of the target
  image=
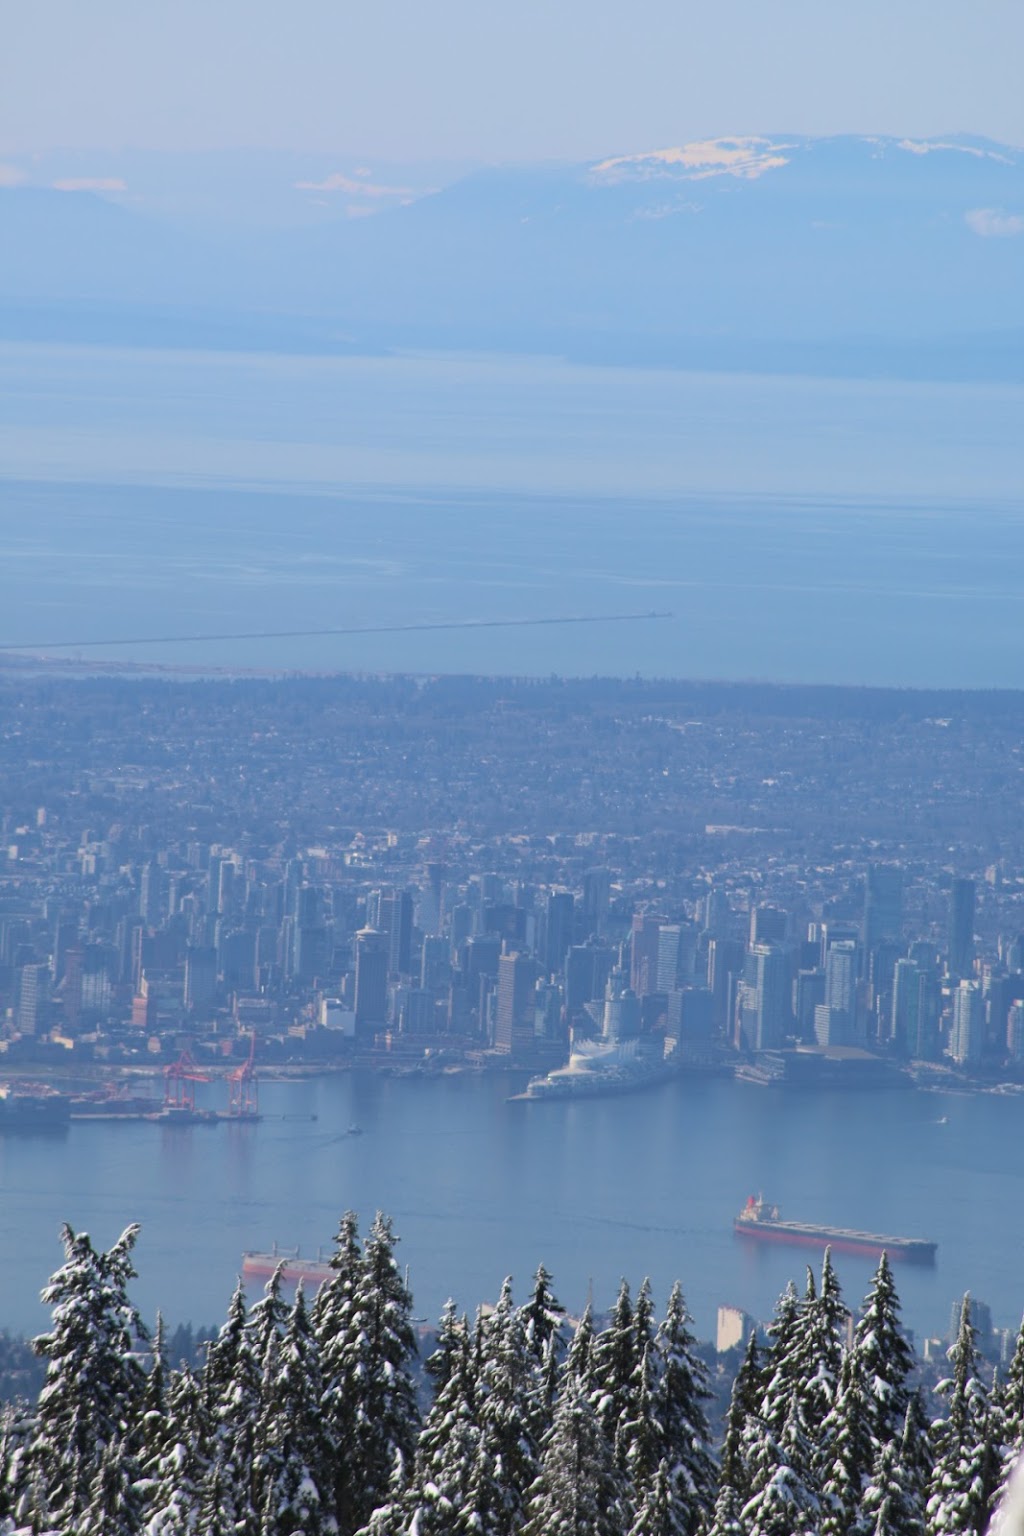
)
(693, 252)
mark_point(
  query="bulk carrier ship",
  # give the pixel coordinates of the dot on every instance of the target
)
(263, 1266)
(762, 1222)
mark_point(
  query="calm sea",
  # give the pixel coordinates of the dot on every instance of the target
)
(478, 1188)
(798, 529)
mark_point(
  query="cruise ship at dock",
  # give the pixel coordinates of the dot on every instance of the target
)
(595, 1067)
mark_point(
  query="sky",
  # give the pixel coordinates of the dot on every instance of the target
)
(482, 81)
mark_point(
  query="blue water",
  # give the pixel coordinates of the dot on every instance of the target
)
(645, 1184)
(816, 530)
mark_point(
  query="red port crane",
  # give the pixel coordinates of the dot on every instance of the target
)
(244, 1088)
(180, 1080)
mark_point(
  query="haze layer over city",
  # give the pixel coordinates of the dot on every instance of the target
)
(511, 731)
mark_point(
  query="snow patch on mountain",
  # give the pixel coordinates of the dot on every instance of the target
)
(746, 158)
(930, 146)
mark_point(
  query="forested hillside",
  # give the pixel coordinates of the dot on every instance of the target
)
(305, 1417)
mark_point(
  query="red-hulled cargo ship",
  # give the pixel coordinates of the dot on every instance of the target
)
(762, 1222)
(263, 1266)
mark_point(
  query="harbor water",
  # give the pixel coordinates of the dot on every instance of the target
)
(645, 1183)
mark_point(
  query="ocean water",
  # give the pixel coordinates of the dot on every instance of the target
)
(795, 529)
(642, 1184)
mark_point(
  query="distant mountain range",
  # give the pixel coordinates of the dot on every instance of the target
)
(849, 254)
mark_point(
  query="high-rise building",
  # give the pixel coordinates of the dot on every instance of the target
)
(308, 905)
(883, 905)
(690, 1016)
(667, 976)
(765, 1010)
(371, 991)
(677, 955)
(200, 976)
(559, 915)
(312, 955)
(831, 1025)
(767, 925)
(145, 1007)
(395, 919)
(967, 1036)
(71, 987)
(840, 993)
(587, 968)
(226, 886)
(621, 1017)
(514, 1006)
(1012, 951)
(480, 956)
(1015, 1032)
(960, 943)
(915, 1011)
(716, 914)
(808, 994)
(33, 999)
(726, 959)
(432, 900)
(594, 905)
(435, 963)
(643, 953)
(151, 887)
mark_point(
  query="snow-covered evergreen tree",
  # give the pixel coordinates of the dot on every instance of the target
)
(232, 1389)
(154, 1419)
(613, 1365)
(965, 1471)
(579, 1360)
(884, 1357)
(294, 1450)
(381, 1415)
(336, 1330)
(450, 1348)
(780, 1370)
(224, 1351)
(817, 1352)
(506, 1391)
(1009, 1416)
(889, 1506)
(543, 1316)
(727, 1519)
(174, 1483)
(114, 1507)
(215, 1515)
(267, 1322)
(848, 1444)
(93, 1394)
(744, 1406)
(640, 1440)
(659, 1512)
(783, 1502)
(17, 1433)
(578, 1491)
(916, 1456)
(680, 1392)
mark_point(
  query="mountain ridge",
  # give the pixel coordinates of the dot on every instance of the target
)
(851, 241)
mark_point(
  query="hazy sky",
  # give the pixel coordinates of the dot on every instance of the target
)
(515, 80)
